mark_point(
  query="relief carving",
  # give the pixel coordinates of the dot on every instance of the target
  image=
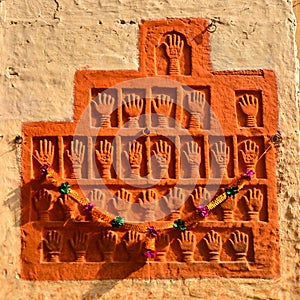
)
(133, 106)
(76, 157)
(254, 202)
(45, 155)
(70, 208)
(240, 245)
(43, 202)
(133, 243)
(220, 153)
(97, 197)
(200, 197)
(135, 159)
(162, 245)
(136, 210)
(250, 154)
(172, 54)
(105, 157)
(249, 106)
(228, 207)
(174, 49)
(54, 244)
(174, 203)
(122, 202)
(149, 196)
(214, 245)
(163, 106)
(108, 242)
(79, 243)
(193, 157)
(162, 155)
(196, 103)
(104, 104)
(187, 243)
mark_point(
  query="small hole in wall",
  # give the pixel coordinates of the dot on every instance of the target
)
(132, 22)
(100, 22)
(122, 22)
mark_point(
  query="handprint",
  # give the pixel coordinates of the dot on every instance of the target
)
(70, 208)
(196, 103)
(79, 243)
(104, 104)
(200, 197)
(162, 106)
(54, 244)
(214, 243)
(193, 157)
(240, 244)
(149, 197)
(254, 203)
(174, 202)
(98, 198)
(43, 202)
(76, 156)
(46, 154)
(135, 159)
(249, 106)
(220, 152)
(133, 244)
(108, 242)
(104, 156)
(163, 157)
(162, 245)
(122, 202)
(228, 207)
(250, 155)
(187, 243)
(133, 106)
(174, 50)
(124, 195)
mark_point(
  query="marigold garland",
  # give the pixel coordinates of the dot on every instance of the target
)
(117, 221)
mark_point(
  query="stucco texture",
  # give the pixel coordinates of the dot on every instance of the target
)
(43, 43)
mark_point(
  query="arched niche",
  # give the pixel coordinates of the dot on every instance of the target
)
(163, 60)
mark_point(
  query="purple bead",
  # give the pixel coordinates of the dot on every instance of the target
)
(152, 231)
(150, 253)
(88, 207)
(202, 211)
(249, 174)
(44, 170)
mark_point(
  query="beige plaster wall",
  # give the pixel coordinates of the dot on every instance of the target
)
(44, 42)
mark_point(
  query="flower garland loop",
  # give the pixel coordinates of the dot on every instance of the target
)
(117, 221)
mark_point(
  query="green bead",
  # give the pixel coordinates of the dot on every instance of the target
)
(232, 191)
(180, 224)
(117, 222)
(65, 188)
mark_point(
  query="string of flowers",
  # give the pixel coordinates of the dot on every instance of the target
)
(107, 219)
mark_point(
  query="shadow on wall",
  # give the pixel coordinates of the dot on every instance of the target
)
(99, 288)
(13, 203)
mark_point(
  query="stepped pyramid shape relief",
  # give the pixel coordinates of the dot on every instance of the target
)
(146, 148)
